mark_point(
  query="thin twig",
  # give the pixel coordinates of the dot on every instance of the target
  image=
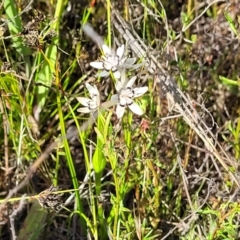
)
(14, 214)
(6, 130)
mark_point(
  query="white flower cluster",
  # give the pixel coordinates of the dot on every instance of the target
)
(116, 63)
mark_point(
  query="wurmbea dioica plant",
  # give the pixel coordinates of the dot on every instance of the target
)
(126, 94)
(91, 105)
(113, 61)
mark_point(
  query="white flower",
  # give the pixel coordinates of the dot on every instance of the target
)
(91, 105)
(125, 97)
(113, 61)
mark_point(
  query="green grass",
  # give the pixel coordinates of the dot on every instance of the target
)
(141, 177)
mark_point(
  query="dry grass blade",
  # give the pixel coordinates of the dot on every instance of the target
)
(174, 94)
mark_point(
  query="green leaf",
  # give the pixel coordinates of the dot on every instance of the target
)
(99, 161)
(228, 81)
(100, 136)
(15, 27)
(231, 23)
(34, 223)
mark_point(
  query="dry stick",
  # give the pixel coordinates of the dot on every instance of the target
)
(14, 214)
(53, 145)
(5, 130)
(181, 103)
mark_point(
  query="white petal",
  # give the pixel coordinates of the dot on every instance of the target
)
(84, 110)
(98, 65)
(117, 74)
(84, 101)
(138, 65)
(122, 101)
(129, 101)
(92, 90)
(108, 65)
(106, 50)
(93, 106)
(103, 74)
(115, 98)
(122, 61)
(130, 61)
(139, 91)
(131, 82)
(120, 111)
(125, 101)
(96, 101)
(120, 51)
(118, 86)
(135, 109)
